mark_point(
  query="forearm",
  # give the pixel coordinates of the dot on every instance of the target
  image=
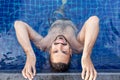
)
(23, 37)
(91, 33)
(88, 47)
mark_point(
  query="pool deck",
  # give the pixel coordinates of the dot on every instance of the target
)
(58, 76)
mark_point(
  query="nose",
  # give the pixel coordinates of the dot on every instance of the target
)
(60, 46)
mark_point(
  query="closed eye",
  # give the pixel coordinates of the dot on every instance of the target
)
(55, 51)
(65, 52)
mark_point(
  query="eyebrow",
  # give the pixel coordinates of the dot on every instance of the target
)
(65, 52)
(56, 51)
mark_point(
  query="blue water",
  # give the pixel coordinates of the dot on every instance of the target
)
(106, 52)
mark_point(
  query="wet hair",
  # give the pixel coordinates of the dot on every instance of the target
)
(59, 67)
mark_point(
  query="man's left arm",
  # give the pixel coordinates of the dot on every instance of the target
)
(87, 36)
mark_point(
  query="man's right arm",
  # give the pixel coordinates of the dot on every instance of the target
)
(24, 34)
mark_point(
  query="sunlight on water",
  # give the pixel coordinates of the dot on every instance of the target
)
(64, 1)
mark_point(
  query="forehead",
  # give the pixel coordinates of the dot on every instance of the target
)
(59, 58)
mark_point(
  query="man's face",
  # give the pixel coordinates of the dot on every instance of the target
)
(60, 50)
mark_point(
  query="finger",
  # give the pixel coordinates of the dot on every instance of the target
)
(83, 74)
(34, 71)
(23, 73)
(91, 75)
(87, 74)
(95, 75)
(28, 75)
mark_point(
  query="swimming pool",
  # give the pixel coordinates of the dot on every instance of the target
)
(106, 52)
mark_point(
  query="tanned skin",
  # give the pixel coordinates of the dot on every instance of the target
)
(87, 37)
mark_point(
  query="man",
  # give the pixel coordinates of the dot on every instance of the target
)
(61, 41)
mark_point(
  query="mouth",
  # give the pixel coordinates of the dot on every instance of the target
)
(60, 39)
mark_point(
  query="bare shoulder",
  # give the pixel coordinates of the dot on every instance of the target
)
(77, 47)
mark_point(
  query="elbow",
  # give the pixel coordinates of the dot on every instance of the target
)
(17, 23)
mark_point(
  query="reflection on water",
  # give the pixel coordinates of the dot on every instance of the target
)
(64, 2)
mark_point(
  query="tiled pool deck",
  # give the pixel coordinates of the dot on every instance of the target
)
(59, 76)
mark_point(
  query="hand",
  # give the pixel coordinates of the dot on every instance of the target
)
(88, 70)
(29, 70)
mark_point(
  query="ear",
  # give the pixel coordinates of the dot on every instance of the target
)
(70, 52)
(50, 51)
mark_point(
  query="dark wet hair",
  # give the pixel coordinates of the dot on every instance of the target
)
(59, 67)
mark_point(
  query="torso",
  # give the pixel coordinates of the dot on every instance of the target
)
(70, 32)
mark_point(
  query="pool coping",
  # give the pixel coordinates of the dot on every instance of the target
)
(59, 76)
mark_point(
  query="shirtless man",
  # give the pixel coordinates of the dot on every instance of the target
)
(61, 41)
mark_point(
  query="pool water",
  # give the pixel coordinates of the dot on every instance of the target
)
(106, 52)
